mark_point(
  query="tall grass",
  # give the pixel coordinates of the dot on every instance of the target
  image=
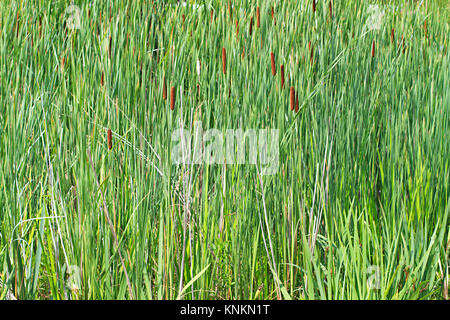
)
(357, 210)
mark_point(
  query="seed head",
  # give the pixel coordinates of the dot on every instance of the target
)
(251, 26)
(172, 98)
(292, 98)
(373, 48)
(109, 139)
(258, 23)
(224, 61)
(282, 76)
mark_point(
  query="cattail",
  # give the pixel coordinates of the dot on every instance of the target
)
(272, 61)
(17, 24)
(292, 98)
(172, 98)
(273, 17)
(164, 89)
(237, 29)
(212, 15)
(40, 27)
(224, 61)
(258, 24)
(392, 35)
(296, 102)
(109, 139)
(373, 48)
(282, 76)
(314, 6)
(102, 80)
(251, 25)
(109, 48)
(425, 28)
(330, 7)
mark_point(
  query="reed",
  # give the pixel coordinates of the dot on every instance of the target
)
(292, 98)
(164, 89)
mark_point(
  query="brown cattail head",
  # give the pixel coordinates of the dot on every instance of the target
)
(224, 61)
(251, 26)
(258, 22)
(40, 27)
(296, 102)
(184, 19)
(392, 35)
(282, 76)
(237, 28)
(109, 139)
(425, 28)
(212, 15)
(373, 48)
(292, 98)
(309, 45)
(102, 80)
(314, 6)
(273, 17)
(109, 48)
(172, 98)
(164, 89)
(272, 61)
(330, 7)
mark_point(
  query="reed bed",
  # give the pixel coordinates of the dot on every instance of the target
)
(357, 207)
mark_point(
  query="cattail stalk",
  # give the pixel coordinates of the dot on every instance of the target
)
(258, 22)
(224, 61)
(292, 98)
(172, 98)
(282, 76)
(109, 139)
(164, 89)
